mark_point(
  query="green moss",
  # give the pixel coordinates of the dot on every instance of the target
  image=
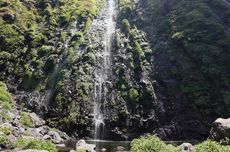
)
(133, 95)
(35, 144)
(139, 50)
(77, 40)
(126, 26)
(26, 120)
(87, 24)
(5, 116)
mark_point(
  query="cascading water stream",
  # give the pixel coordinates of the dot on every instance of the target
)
(103, 70)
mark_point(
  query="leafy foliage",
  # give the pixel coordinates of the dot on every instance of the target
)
(154, 144)
(211, 146)
(151, 143)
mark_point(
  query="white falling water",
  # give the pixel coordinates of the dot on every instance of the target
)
(103, 70)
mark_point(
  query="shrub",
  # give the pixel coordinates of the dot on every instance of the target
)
(151, 143)
(211, 146)
(26, 120)
(5, 97)
(3, 140)
(35, 144)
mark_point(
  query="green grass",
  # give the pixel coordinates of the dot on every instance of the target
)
(35, 144)
(26, 120)
(5, 97)
(151, 144)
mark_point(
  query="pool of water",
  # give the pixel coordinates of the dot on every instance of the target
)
(110, 146)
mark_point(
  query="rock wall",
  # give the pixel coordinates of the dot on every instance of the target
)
(169, 72)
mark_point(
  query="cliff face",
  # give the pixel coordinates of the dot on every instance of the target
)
(169, 64)
(190, 42)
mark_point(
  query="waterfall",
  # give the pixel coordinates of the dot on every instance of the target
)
(102, 70)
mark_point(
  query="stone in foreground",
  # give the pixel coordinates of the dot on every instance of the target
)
(187, 147)
(220, 129)
(82, 145)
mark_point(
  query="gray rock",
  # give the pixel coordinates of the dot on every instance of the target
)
(46, 137)
(63, 147)
(34, 132)
(120, 148)
(12, 138)
(220, 129)
(82, 145)
(187, 147)
(63, 135)
(36, 120)
(21, 130)
(55, 137)
(44, 130)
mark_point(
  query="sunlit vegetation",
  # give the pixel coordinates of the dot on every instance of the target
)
(154, 144)
(35, 144)
(5, 97)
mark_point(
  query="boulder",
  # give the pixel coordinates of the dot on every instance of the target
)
(12, 138)
(187, 147)
(36, 120)
(82, 145)
(220, 129)
(120, 148)
(63, 147)
(55, 137)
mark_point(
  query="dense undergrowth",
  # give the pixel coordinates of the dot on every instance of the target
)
(154, 144)
(35, 144)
